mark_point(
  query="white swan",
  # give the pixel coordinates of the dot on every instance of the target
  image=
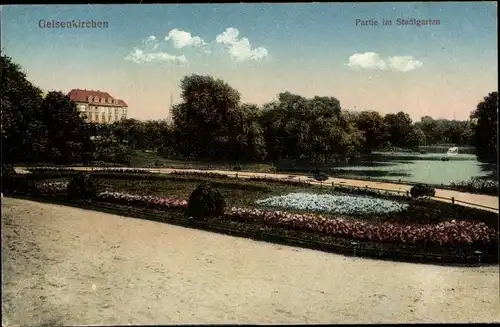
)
(452, 151)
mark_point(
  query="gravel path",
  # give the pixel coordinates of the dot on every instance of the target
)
(65, 265)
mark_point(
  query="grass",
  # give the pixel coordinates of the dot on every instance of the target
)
(244, 193)
(142, 159)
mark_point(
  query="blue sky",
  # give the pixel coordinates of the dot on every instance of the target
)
(309, 49)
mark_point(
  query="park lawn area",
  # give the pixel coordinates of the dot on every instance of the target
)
(142, 159)
(245, 193)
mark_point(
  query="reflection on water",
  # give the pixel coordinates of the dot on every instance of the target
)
(414, 167)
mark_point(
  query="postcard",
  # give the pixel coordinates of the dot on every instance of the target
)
(289, 163)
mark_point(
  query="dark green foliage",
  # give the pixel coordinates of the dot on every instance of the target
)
(486, 128)
(237, 167)
(12, 182)
(443, 131)
(9, 177)
(308, 129)
(320, 176)
(205, 201)
(37, 128)
(83, 186)
(23, 137)
(420, 190)
(402, 132)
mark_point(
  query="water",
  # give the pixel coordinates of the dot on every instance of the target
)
(417, 167)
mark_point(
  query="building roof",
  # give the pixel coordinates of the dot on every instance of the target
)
(79, 95)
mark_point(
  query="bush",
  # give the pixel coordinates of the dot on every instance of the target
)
(205, 201)
(8, 177)
(320, 176)
(478, 185)
(420, 190)
(237, 167)
(83, 186)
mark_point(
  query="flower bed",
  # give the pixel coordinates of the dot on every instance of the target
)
(199, 174)
(50, 169)
(446, 233)
(280, 181)
(478, 185)
(340, 204)
(51, 187)
(125, 198)
(96, 169)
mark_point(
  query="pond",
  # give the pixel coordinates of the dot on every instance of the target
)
(420, 167)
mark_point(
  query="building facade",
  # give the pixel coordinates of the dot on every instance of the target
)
(99, 107)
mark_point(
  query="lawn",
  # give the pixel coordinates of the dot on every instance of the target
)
(142, 159)
(246, 193)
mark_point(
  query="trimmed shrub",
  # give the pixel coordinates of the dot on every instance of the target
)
(320, 176)
(83, 186)
(420, 190)
(205, 201)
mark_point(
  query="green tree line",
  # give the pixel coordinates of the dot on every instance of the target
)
(211, 122)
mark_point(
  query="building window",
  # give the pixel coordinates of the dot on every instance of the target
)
(96, 99)
(90, 98)
(103, 116)
(96, 117)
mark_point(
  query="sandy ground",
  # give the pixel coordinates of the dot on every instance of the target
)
(71, 266)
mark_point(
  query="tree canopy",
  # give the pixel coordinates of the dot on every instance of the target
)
(211, 122)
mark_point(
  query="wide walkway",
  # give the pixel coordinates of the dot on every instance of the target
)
(62, 265)
(480, 201)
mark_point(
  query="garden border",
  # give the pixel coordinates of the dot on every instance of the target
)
(152, 215)
(284, 180)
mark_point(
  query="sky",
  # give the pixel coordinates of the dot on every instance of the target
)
(442, 68)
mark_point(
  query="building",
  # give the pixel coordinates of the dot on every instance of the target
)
(99, 107)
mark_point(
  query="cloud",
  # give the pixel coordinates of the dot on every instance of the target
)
(181, 39)
(240, 49)
(368, 60)
(404, 63)
(151, 43)
(149, 53)
(139, 56)
(372, 60)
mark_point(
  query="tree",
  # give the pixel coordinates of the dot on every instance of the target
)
(374, 129)
(68, 134)
(486, 128)
(416, 138)
(311, 130)
(445, 131)
(400, 129)
(23, 137)
(207, 118)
